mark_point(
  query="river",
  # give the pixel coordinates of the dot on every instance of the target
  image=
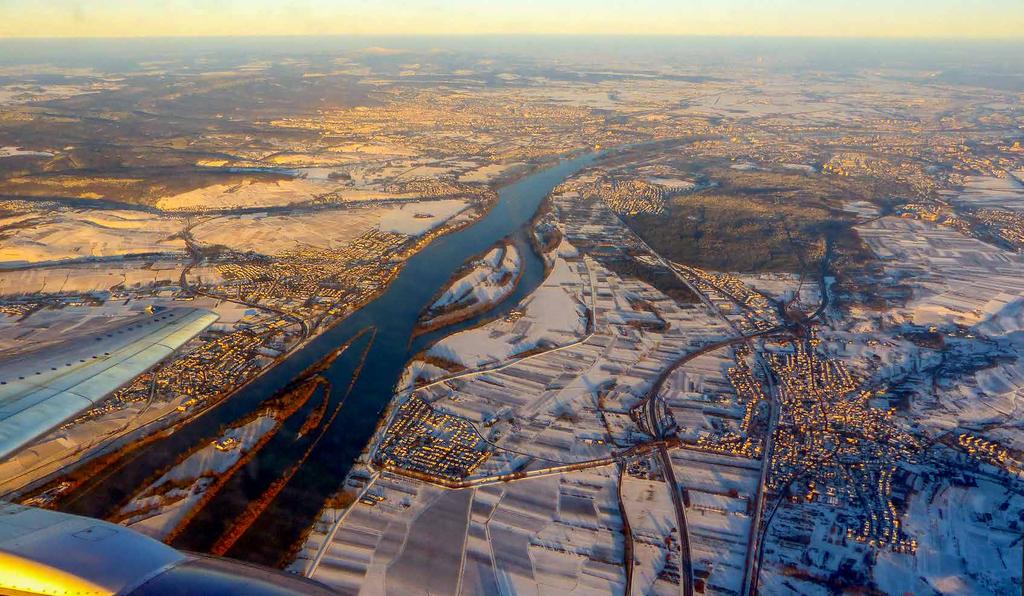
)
(393, 314)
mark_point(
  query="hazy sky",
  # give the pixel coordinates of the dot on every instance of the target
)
(858, 18)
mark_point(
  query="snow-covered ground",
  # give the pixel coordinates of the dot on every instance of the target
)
(278, 233)
(969, 296)
(783, 286)
(489, 280)
(673, 184)
(97, 277)
(488, 172)
(418, 218)
(69, 234)
(861, 208)
(991, 191)
(969, 542)
(955, 279)
(72, 234)
(554, 534)
(544, 405)
(554, 314)
(247, 194)
(720, 490)
(648, 507)
(161, 506)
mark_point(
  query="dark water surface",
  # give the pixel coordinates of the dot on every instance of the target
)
(393, 314)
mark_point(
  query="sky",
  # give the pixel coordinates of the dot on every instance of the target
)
(975, 19)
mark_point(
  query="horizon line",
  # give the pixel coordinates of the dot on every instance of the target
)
(959, 38)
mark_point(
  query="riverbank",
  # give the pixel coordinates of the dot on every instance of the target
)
(394, 314)
(108, 450)
(479, 285)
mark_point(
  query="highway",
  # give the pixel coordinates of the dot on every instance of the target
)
(650, 404)
(627, 534)
(654, 427)
(751, 565)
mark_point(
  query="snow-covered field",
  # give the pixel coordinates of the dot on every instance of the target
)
(544, 405)
(418, 218)
(721, 490)
(247, 194)
(22, 94)
(488, 172)
(861, 208)
(968, 542)
(673, 184)
(652, 519)
(783, 286)
(96, 277)
(70, 234)
(376, 149)
(276, 234)
(553, 534)
(990, 191)
(700, 397)
(64, 235)
(956, 279)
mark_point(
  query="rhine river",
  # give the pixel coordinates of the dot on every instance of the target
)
(393, 315)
